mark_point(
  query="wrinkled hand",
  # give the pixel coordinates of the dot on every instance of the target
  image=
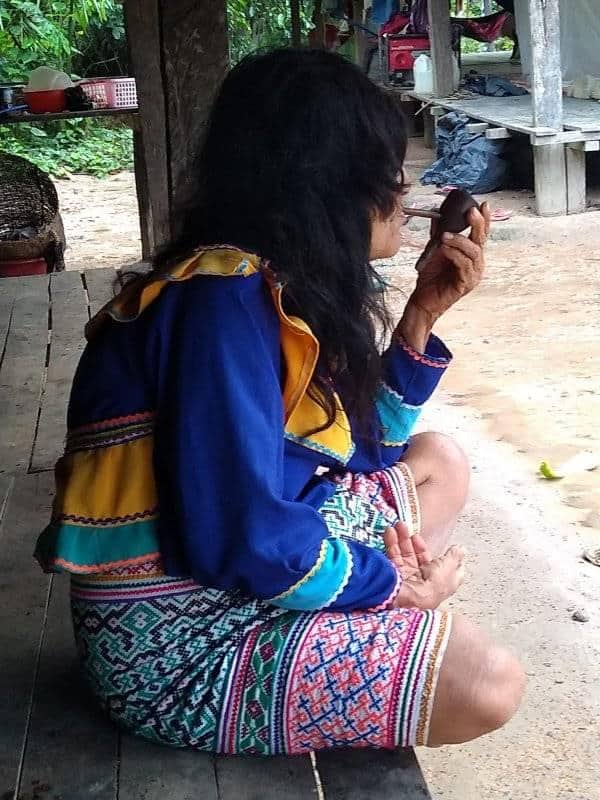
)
(427, 582)
(452, 268)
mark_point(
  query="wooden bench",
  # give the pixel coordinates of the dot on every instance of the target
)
(54, 743)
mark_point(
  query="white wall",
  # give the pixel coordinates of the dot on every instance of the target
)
(579, 34)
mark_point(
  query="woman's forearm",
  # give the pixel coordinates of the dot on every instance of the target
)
(415, 326)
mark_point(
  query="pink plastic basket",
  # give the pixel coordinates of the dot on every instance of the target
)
(95, 90)
(121, 93)
(111, 92)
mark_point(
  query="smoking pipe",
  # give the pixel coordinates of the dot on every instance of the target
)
(452, 214)
(451, 218)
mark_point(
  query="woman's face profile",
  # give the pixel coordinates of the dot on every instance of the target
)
(386, 234)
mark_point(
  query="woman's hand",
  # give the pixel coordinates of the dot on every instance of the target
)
(447, 271)
(426, 582)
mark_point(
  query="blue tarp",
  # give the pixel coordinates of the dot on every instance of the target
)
(467, 160)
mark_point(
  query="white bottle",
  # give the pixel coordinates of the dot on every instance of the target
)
(423, 72)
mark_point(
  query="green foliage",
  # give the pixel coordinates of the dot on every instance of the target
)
(261, 25)
(87, 38)
(46, 32)
(83, 145)
(102, 46)
(81, 37)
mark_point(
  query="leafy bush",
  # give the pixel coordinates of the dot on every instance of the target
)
(59, 148)
(87, 38)
(261, 25)
(83, 38)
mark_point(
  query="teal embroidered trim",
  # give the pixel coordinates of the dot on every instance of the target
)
(69, 547)
(397, 418)
(325, 584)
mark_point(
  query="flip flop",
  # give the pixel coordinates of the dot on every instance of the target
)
(501, 214)
(593, 556)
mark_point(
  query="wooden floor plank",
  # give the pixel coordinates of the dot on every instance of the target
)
(23, 597)
(154, 772)
(8, 290)
(69, 316)
(255, 778)
(373, 774)
(22, 373)
(100, 287)
(71, 748)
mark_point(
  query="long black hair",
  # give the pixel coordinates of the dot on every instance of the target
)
(301, 152)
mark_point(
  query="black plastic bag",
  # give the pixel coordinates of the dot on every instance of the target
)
(467, 160)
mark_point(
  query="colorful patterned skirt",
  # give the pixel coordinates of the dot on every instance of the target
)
(219, 671)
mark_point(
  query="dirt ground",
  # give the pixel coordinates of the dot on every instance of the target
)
(526, 344)
(101, 221)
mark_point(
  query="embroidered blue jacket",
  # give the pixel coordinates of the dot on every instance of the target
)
(211, 360)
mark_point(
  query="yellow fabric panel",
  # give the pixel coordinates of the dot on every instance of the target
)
(113, 483)
(301, 352)
(138, 295)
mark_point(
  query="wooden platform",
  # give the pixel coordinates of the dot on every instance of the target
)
(54, 743)
(559, 156)
(516, 113)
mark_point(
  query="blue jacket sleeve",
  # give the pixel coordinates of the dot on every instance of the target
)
(409, 380)
(219, 449)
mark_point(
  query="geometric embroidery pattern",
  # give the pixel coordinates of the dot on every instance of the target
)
(218, 671)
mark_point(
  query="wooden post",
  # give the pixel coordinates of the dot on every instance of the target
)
(576, 183)
(151, 167)
(429, 137)
(440, 38)
(179, 55)
(360, 40)
(550, 179)
(546, 75)
(546, 91)
(296, 28)
(143, 195)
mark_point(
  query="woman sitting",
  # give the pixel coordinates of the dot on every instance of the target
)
(256, 540)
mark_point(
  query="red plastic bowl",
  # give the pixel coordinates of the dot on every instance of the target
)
(48, 102)
(31, 266)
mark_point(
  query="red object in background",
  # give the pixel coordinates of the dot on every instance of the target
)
(30, 266)
(483, 29)
(401, 50)
(52, 101)
(395, 24)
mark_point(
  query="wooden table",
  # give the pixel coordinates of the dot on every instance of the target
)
(129, 116)
(20, 118)
(53, 741)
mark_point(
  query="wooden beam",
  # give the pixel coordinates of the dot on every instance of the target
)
(296, 28)
(179, 55)
(550, 180)
(576, 182)
(143, 194)
(142, 21)
(441, 47)
(586, 147)
(498, 133)
(476, 127)
(372, 774)
(195, 54)
(546, 75)
(429, 134)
